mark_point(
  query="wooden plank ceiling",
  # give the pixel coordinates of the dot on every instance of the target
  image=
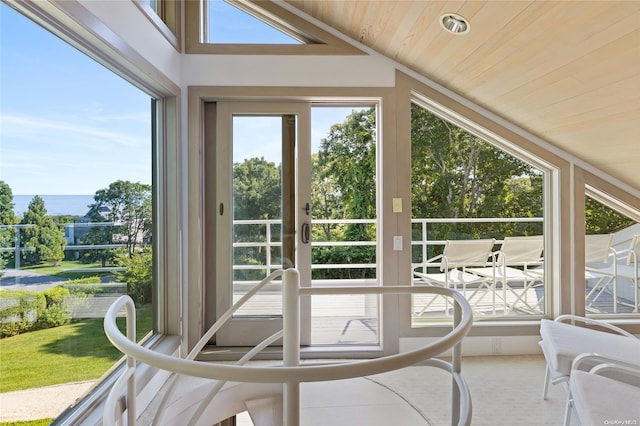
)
(567, 71)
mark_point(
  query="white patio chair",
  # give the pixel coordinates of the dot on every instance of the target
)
(561, 343)
(457, 256)
(607, 392)
(624, 269)
(600, 268)
(515, 266)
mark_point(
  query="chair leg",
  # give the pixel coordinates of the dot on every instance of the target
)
(545, 385)
(567, 410)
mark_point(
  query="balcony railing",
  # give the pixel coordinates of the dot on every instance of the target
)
(269, 244)
(70, 236)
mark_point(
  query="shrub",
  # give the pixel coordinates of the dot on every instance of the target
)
(55, 295)
(19, 311)
(53, 317)
(138, 275)
(77, 288)
(55, 313)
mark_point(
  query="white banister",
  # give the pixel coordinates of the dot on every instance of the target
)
(291, 374)
(128, 377)
(291, 344)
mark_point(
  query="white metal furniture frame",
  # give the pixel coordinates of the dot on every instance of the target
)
(121, 404)
(624, 266)
(600, 266)
(605, 394)
(515, 264)
(562, 342)
(458, 255)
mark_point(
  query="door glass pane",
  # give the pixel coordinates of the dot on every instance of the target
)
(257, 211)
(343, 195)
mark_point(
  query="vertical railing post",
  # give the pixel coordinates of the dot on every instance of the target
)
(291, 343)
(456, 362)
(17, 252)
(267, 236)
(424, 245)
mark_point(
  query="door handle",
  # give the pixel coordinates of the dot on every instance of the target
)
(306, 233)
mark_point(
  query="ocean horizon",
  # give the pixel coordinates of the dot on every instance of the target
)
(72, 205)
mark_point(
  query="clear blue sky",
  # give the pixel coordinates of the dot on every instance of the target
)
(70, 126)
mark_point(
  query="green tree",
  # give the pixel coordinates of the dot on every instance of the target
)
(458, 175)
(7, 217)
(44, 237)
(256, 196)
(138, 275)
(128, 205)
(344, 187)
(256, 190)
(98, 235)
(348, 157)
(325, 199)
(601, 219)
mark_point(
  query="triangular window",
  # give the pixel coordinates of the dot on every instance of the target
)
(236, 22)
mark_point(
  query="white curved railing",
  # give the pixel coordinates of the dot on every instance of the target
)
(291, 373)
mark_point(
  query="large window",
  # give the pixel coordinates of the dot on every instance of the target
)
(468, 195)
(76, 194)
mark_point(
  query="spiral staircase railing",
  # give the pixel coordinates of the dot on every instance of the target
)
(291, 374)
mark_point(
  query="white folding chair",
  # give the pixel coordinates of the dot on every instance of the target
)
(625, 270)
(600, 269)
(457, 256)
(514, 267)
(630, 269)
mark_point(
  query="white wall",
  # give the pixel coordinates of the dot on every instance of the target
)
(131, 26)
(283, 70)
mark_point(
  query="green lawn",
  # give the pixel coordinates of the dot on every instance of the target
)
(71, 353)
(60, 270)
(41, 422)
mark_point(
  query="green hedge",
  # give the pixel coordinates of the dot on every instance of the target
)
(22, 311)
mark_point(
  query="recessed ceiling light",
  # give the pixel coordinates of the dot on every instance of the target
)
(455, 24)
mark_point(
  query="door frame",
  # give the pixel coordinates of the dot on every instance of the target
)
(248, 331)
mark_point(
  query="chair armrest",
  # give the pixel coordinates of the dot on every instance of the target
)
(631, 255)
(607, 366)
(590, 321)
(429, 263)
(603, 362)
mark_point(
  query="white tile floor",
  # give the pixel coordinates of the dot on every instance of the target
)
(505, 390)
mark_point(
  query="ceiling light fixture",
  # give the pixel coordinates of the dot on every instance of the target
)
(455, 24)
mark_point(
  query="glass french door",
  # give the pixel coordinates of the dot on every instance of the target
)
(263, 216)
(280, 201)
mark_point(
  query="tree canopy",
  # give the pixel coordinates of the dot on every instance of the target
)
(128, 205)
(7, 217)
(455, 174)
(45, 237)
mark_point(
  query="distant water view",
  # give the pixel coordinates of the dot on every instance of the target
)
(74, 205)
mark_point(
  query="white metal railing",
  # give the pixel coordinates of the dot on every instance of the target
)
(18, 248)
(270, 239)
(268, 242)
(291, 373)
